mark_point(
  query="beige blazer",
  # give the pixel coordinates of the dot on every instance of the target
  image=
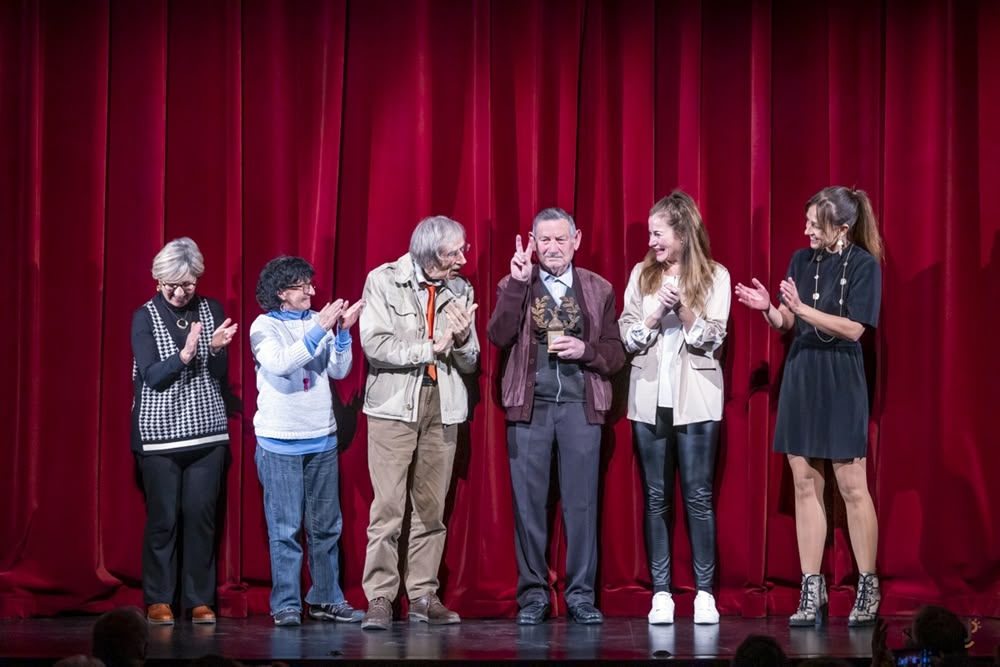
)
(695, 375)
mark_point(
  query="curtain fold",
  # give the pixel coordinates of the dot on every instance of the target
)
(328, 129)
(134, 227)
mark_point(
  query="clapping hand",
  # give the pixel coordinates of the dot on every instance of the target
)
(350, 315)
(669, 296)
(444, 342)
(460, 320)
(790, 295)
(331, 313)
(191, 343)
(755, 297)
(223, 335)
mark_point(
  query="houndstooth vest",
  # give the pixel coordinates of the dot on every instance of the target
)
(190, 413)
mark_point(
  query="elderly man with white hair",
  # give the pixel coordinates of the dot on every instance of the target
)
(555, 326)
(419, 335)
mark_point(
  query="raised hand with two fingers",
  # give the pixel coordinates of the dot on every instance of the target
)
(520, 263)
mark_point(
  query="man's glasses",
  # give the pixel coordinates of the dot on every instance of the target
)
(305, 287)
(173, 287)
(453, 254)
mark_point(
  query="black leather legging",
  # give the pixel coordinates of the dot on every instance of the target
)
(691, 449)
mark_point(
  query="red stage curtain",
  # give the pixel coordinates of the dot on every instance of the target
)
(327, 129)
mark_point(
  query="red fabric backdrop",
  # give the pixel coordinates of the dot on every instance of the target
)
(328, 129)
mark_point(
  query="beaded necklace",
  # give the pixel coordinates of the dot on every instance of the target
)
(817, 258)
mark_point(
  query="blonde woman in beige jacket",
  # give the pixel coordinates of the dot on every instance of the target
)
(674, 321)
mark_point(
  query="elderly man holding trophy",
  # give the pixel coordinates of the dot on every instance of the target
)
(556, 327)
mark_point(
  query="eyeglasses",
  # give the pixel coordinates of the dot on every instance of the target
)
(173, 287)
(305, 287)
(452, 254)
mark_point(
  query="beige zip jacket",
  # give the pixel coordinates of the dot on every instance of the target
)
(394, 338)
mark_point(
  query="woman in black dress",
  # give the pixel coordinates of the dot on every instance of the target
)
(829, 297)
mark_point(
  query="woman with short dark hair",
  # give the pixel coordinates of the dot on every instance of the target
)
(297, 351)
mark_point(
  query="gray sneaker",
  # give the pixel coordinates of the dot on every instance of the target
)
(341, 613)
(288, 617)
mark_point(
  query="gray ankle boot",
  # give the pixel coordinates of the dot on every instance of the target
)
(865, 609)
(812, 602)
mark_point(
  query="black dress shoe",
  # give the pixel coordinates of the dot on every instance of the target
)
(533, 613)
(586, 614)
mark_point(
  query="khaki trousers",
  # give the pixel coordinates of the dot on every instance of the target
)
(408, 459)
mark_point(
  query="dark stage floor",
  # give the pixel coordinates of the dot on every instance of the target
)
(40, 641)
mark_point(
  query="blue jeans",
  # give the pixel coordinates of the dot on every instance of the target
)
(294, 484)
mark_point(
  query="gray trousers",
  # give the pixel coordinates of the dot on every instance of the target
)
(577, 445)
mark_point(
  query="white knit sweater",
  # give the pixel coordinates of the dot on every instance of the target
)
(294, 400)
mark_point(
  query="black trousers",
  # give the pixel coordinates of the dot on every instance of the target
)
(690, 450)
(578, 451)
(182, 493)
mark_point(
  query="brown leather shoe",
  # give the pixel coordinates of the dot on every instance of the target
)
(160, 614)
(202, 614)
(428, 609)
(378, 616)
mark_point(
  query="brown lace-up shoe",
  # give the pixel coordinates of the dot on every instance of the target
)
(378, 616)
(202, 614)
(160, 614)
(428, 609)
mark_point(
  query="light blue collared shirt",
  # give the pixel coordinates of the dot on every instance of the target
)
(557, 285)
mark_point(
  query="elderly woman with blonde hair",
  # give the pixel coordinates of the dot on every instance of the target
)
(179, 432)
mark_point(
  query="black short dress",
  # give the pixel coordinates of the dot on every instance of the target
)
(823, 401)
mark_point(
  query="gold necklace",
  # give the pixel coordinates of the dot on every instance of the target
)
(817, 258)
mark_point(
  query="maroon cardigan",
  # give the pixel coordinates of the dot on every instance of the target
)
(512, 330)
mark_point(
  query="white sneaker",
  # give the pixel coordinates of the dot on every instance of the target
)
(704, 609)
(662, 612)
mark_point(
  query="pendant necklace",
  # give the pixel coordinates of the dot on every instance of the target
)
(817, 258)
(183, 321)
(305, 373)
